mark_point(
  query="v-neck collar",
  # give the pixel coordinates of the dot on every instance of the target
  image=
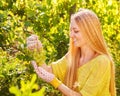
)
(90, 61)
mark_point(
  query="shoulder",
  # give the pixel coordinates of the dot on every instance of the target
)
(102, 62)
(103, 59)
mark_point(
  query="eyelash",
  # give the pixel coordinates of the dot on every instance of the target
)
(76, 31)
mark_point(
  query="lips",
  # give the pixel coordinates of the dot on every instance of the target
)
(74, 40)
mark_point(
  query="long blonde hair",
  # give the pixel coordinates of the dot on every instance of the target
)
(90, 26)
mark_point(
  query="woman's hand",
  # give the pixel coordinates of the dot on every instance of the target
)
(50, 78)
(33, 43)
(42, 73)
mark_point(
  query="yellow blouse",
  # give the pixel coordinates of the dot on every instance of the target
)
(93, 78)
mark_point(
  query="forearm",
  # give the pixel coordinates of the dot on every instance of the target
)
(67, 91)
(50, 78)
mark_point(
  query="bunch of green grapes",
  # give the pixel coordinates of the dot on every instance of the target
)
(38, 56)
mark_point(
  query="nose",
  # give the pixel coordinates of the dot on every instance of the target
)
(71, 34)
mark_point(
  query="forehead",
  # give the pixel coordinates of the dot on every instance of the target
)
(73, 24)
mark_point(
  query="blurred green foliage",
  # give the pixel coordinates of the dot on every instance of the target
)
(27, 88)
(50, 20)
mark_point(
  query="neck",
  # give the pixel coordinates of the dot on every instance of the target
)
(86, 54)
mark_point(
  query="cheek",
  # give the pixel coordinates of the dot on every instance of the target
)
(79, 37)
(81, 40)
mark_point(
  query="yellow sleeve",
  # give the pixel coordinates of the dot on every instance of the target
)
(59, 68)
(97, 83)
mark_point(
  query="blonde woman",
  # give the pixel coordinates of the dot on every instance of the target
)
(87, 69)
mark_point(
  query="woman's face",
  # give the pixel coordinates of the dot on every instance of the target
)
(76, 34)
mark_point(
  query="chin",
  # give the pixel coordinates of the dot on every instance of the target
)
(76, 45)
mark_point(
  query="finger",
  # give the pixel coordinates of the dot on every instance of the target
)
(35, 36)
(32, 42)
(36, 68)
(32, 37)
(40, 68)
(34, 65)
(32, 46)
(42, 72)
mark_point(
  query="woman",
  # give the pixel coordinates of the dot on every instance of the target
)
(87, 69)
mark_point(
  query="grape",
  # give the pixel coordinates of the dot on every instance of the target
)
(38, 56)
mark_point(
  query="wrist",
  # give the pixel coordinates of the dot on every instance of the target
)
(55, 82)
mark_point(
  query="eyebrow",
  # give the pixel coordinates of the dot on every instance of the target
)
(72, 27)
(75, 28)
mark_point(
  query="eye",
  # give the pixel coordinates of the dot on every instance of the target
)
(76, 31)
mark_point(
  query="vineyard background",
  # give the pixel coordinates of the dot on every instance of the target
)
(50, 20)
